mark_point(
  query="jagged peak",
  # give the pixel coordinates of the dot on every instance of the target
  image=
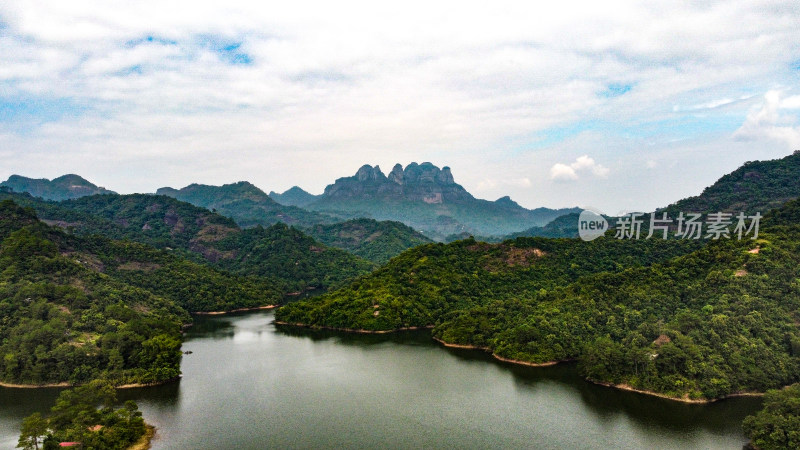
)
(396, 175)
(421, 173)
(369, 173)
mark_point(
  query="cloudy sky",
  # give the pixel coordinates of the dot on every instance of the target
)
(616, 105)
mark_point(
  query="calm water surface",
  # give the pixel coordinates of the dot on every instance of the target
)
(249, 384)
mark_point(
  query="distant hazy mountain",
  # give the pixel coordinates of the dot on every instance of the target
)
(565, 226)
(294, 196)
(61, 188)
(428, 199)
(245, 203)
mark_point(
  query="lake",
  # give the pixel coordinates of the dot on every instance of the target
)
(250, 384)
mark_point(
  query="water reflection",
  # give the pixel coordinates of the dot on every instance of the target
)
(164, 396)
(607, 404)
(405, 337)
(220, 327)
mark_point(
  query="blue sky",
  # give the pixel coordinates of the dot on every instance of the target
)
(615, 105)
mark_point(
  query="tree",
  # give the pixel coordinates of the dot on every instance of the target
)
(33, 427)
(777, 426)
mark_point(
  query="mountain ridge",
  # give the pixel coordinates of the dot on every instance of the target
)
(247, 204)
(65, 187)
(428, 199)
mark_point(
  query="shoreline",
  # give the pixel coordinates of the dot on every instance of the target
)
(64, 384)
(35, 386)
(498, 357)
(144, 385)
(351, 330)
(144, 442)
(217, 313)
(685, 399)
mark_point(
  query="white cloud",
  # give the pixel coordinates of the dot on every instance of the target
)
(487, 184)
(562, 172)
(456, 83)
(792, 102)
(768, 121)
(582, 164)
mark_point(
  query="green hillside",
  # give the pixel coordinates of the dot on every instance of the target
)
(65, 322)
(423, 285)
(282, 258)
(372, 240)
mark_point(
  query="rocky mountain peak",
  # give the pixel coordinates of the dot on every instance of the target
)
(369, 173)
(420, 173)
(396, 175)
(445, 176)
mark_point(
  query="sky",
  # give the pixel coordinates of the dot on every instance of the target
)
(614, 105)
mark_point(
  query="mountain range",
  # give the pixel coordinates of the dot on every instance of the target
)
(422, 196)
(245, 203)
(428, 199)
(61, 188)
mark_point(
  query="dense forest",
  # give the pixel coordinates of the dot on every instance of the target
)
(422, 285)
(372, 240)
(777, 425)
(88, 417)
(294, 259)
(73, 308)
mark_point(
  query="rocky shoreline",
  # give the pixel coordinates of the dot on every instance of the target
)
(351, 330)
(217, 313)
(498, 357)
(64, 384)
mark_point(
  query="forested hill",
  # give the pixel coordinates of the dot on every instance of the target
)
(65, 321)
(424, 285)
(756, 186)
(246, 204)
(283, 257)
(665, 316)
(61, 188)
(372, 240)
(77, 308)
